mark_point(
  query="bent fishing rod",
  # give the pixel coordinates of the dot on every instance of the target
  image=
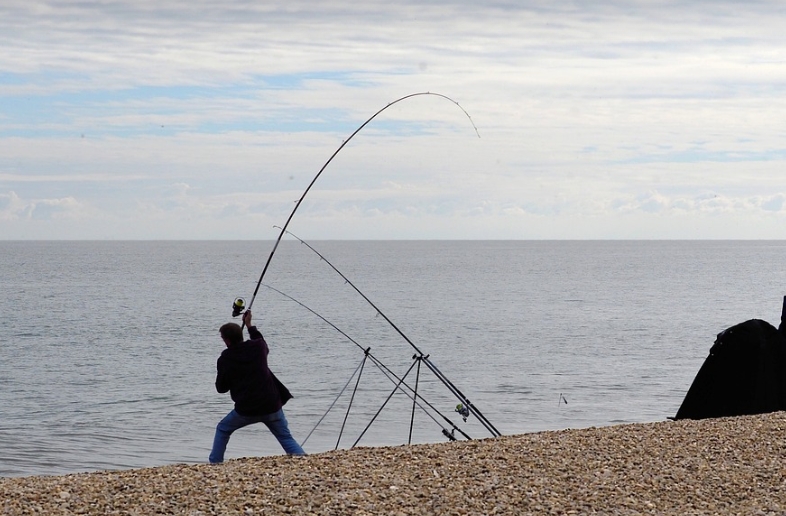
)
(425, 358)
(239, 304)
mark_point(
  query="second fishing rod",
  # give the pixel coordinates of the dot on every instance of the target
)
(465, 402)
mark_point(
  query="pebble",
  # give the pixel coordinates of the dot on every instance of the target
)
(714, 466)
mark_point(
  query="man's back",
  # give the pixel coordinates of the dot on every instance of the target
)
(243, 371)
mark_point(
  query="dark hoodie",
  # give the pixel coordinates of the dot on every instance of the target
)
(243, 371)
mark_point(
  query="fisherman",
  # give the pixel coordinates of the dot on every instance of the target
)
(258, 395)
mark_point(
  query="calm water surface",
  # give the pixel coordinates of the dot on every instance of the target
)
(108, 349)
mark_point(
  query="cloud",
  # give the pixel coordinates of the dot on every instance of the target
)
(703, 204)
(47, 209)
(175, 112)
(775, 203)
(24, 178)
(9, 204)
(12, 207)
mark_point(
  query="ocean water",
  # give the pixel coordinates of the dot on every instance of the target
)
(108, 349)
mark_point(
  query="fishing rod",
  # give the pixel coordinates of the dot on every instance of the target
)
(389, 374)
(239, 303)
(370, 302)
(465, 403)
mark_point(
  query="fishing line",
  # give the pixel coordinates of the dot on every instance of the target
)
(367, 351)
(412, 419)
(349, 406)
(364, 124)
(389, 374)
(383, 405)
(359, 367)
(444, 379)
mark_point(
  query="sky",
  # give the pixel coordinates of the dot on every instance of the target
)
(199, 119)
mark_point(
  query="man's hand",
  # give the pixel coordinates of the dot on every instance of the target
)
(247, 318)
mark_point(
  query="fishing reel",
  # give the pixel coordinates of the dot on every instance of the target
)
(238, 306)
(464, 411)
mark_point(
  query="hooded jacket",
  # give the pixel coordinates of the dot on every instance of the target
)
(243, 371)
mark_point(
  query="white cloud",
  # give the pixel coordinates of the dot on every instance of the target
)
(589, 113)
(13, 207)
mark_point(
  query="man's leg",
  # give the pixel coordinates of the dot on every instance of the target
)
(225, 427)
(277, 423)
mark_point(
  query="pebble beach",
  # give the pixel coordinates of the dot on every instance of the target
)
(718, 466)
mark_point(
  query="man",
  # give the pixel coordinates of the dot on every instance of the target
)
(257, 393)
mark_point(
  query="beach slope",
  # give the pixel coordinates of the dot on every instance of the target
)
(719, 466)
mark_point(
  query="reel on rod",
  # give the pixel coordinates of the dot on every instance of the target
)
(238, 306)
(463, 411)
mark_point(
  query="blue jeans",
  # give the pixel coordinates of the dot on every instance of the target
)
(276, 422)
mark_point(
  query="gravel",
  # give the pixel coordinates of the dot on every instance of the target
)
(717, 466)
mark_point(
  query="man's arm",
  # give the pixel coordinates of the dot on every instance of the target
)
(222, 378)
(253, 332)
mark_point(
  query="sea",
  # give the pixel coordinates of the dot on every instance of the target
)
(108, 348)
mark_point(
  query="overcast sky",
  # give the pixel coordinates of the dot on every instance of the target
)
(207, 120)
